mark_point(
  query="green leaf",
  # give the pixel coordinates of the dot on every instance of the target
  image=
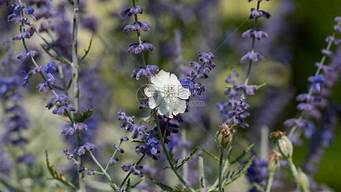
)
(233, 175)
(164, 187)
(211, 155)
(82, 116)
(56, 175)
(243, 155)
(186, 159)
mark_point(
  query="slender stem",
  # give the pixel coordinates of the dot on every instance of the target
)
(270, 181)
(253, 43)
(221, 160)
(130, 172)
(264, 142)
(114, 154)
(168, 157)
(75, 64)
(113, 185)
(293, 168)
(138, 35)
(184, 154)
(202, 180)
(75, 79)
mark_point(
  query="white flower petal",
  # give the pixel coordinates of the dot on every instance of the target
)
(173, 80)
(184, 93)
(161, 79)
(164, 109)
(152, 103)
(150, 91)
(178, 106)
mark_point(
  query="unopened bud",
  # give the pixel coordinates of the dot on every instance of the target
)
(283, 144)
(224, 135)
(273, 161)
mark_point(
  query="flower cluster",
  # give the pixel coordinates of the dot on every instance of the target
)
(14, 115)
(60, 105)
(315, 99)
(49, 71)
(135, 169)
(138, 27)
(258, 173)
(148, 71)
(235, 109)
(149, 142)
(254, 34)
(199, 69)
(20, 14)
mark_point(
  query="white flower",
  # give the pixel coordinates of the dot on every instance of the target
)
(166, 94)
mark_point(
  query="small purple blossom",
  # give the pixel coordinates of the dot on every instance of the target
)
(137, 48)
(258, 173)
(251, 33)
(86, 147)
(147, 71)
(252, 56)
(135, 169)
(60, 105)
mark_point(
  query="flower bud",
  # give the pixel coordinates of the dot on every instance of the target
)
(283, 144)
(224, 135)
(273, 161)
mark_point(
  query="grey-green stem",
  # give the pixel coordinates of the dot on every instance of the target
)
(168, 157)
(112, 185)
(221, 161)
(270, 181)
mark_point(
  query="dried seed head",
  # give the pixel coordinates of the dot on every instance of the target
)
(283, 144)
(277, 134)
(224, 135)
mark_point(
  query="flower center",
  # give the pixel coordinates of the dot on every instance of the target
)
(170, 92)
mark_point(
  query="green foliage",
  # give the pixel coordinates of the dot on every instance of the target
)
(234, 174)
(56, 175)
(82, 116)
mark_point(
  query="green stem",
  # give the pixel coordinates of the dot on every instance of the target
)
(221, 160)
(293, 168)
(185, 166)
(168, 157)
(202, 180)
(112, 185)
(270, 181)
(130, 172)
(75, 80)
(253, 44)
(75, 63)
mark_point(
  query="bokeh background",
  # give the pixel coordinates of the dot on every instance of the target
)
(181, 29)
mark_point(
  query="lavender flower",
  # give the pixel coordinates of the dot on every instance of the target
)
(60, 105)
(147, 71)
(135, 169)
(149, 142)
(138, 26)
(235, 109)
(254, 34)
(311, 103)
(258, 173)
(198, 70)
